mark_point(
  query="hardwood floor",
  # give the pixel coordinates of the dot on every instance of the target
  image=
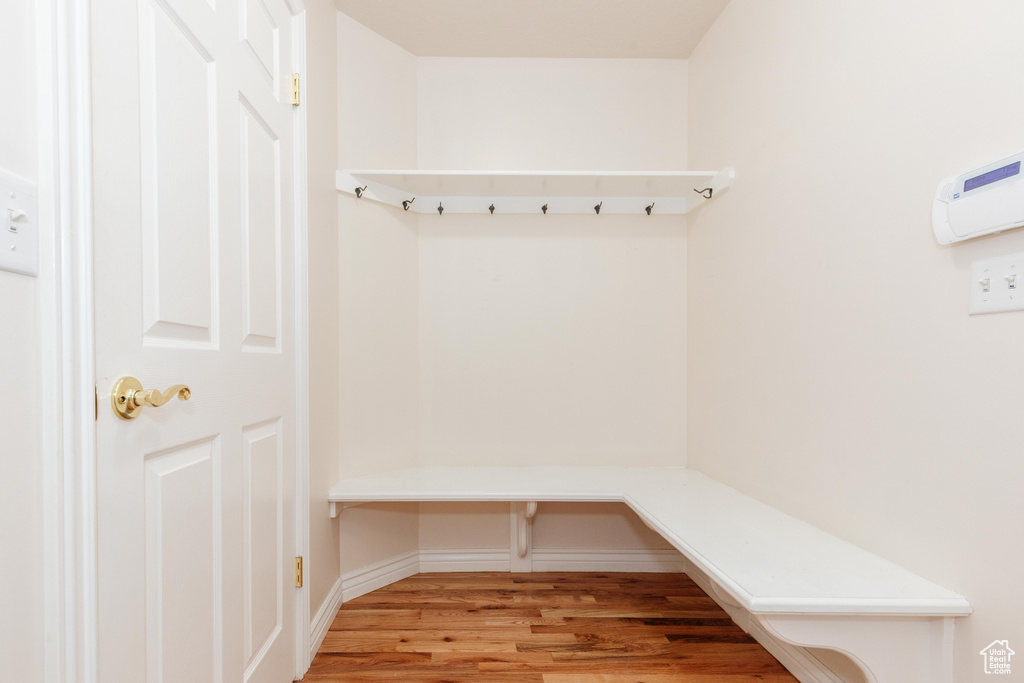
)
(541, 628)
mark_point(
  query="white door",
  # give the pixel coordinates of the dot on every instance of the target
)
(194, 285)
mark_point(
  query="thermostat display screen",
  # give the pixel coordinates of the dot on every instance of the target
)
(991, 177)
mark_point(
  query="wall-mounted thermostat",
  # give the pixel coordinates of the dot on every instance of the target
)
(980, 202)
(19, 228)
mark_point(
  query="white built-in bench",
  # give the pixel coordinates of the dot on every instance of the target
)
(798, 583)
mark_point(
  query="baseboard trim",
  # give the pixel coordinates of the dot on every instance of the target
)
(324, 618)
(801, 663)
(465, 560)
(639, 560)
(380, 574)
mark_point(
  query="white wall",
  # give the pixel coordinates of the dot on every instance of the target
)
(569, 114)
(377, 255)
(21, 531)
(555, 340)
(552, 339)
(592, 525)
(834, 371)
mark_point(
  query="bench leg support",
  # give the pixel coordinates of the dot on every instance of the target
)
(521, 552)
(888, 649)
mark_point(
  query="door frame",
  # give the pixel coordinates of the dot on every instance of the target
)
(63, 68)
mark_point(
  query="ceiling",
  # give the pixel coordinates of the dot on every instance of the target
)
(653, 29)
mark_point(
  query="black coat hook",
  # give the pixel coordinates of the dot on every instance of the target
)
(544, 209)
(360, 191)
(440, 209)
(649, 208)
(706, 192)
(491, 208)
(407, 203)
(597, 209)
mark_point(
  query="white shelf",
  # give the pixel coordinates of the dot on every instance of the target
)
(768, 561)
(775, 575)
(618, 192)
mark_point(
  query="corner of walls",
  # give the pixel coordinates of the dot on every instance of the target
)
(386, 120)
(377, 255)
(322, 159)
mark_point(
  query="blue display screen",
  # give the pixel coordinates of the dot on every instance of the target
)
(991, 177)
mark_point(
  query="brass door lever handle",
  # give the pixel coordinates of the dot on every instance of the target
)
(154, 399)
(128, 397)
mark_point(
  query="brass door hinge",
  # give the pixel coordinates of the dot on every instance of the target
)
(295, 89)
(298, 572)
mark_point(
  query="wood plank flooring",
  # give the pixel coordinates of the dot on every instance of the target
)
(556, 627)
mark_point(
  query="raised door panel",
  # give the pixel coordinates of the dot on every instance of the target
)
(263, 536)
(261, 230)
(260, 34)
(179, 189)
(183, 564)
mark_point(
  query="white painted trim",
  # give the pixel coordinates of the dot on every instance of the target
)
(300, 201)
(380, 574)
(465, 560)
(323, 620)
(69, 439)
(55, 659)
(641, 560)
(554, 560)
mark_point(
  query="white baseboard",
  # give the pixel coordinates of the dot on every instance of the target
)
(554, 560)
(323, 619)
(367, 579)
(606, 560)
(801, 663)
(471, 560)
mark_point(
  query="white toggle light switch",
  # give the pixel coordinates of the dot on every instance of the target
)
(994, 284)
(14, 216)
(19, 229)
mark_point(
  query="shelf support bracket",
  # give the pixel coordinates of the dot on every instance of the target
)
(887, 648)
(521, 555)
(337, 507)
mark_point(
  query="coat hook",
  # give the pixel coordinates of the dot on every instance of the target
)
(440, 209)
(491, 208)
(544, 209)
(649, 208)
(706, 192)
(360, 191)
(597, 209)
(407, 203)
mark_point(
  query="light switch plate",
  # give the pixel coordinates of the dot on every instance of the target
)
(19, 226)
(1003, 278)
